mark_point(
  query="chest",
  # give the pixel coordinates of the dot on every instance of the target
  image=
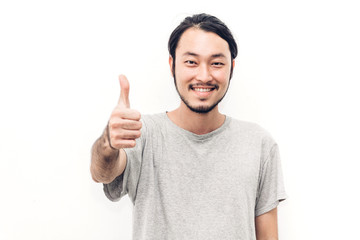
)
(220, 168)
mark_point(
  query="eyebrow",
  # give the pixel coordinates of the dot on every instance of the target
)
(217, 55)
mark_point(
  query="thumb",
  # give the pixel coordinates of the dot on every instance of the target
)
(124, 92)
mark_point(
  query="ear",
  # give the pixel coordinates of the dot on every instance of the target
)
(232, 68)
(171, 63)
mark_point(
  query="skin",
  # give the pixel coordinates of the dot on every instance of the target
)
(203, 64)
(202, 59)
(266, 226)
(108, 159)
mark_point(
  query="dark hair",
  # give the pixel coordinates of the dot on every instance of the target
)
(206, 23)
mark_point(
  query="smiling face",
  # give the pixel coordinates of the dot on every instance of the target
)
(203, 66)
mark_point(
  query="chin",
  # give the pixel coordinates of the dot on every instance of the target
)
(201, 109)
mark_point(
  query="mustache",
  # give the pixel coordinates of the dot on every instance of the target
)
(215, 86)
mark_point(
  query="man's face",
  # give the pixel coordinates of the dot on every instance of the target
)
(202, 69)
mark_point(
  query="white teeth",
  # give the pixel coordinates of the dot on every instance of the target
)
(202, 89)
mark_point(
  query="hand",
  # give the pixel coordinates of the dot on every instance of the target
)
(124, 124)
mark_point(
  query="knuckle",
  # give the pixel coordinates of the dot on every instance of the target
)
(132, 143)
(119, 124)
(113, 123)
(116, 112)
(115, 144)
(118, 135)
(138, 115)
(123, 124)
(113, 132)
(116, 125)
(126, 144)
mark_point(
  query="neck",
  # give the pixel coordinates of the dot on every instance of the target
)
(198, 123)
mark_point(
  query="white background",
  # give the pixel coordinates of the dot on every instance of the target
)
(297, 75)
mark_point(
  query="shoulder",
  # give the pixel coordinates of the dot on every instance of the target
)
(248, 127)
(256, 137)
(153, 122)
(153, 119)
(251, 130)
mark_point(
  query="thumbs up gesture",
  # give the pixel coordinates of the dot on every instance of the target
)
(124, 124)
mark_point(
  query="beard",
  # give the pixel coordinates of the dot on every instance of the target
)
(199, 109)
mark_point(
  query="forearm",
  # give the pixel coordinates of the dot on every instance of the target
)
(105, 160)
(108, 159)
(266, 226)
(270, 238)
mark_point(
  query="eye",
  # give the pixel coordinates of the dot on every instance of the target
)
(218, 64)
(190, 62)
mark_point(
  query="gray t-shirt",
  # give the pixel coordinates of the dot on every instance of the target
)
(188, 186)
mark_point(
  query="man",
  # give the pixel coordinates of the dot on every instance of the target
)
(192, 173)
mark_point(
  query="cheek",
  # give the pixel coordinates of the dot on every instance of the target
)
(184, 73)
(222, 75)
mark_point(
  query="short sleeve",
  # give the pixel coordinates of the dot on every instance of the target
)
(116, 189)
(271, 188)
(127, 182)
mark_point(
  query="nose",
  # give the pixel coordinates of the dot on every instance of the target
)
(203, 73)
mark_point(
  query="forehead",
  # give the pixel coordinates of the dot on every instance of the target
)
(202, 43)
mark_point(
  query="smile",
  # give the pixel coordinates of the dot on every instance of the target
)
(203, 89)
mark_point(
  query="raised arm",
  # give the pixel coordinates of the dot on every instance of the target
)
(108, 159)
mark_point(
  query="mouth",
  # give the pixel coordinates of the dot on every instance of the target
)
(203, 88)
